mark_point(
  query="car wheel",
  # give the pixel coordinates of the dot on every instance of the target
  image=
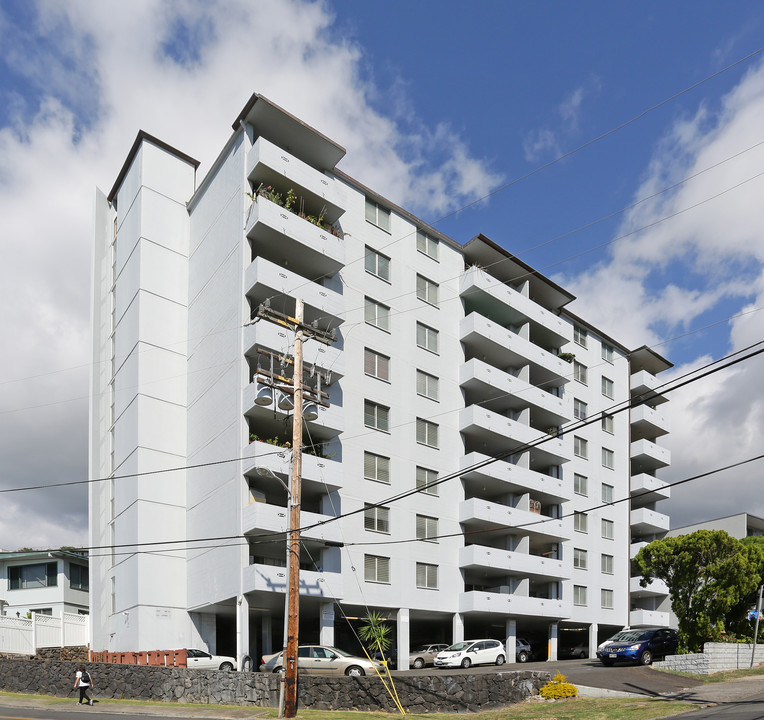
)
(355, 671)
(418, 664)
(500, 660)
(522, 656)
(278, 669)
(466, 662)
(647, 658)
(582, 654)
(226, 666)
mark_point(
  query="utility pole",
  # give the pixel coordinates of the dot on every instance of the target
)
(756, 630)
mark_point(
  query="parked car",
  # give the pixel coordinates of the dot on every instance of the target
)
(472, 652)
(523, 650)
(201, 660)
(579, 650)
(322, 660)
(640, 645)
(425, 655)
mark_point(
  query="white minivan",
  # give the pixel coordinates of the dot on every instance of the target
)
(472, 652)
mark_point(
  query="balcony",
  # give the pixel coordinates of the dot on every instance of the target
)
(646, 490)
(479, 601)
(648, 618)
(270, 578)
(281, 236)
(480, 290)
(643, 385)
(646, 456)
(514, 563)
(503, 348)
(635, 547)
(647, 423)
(482, 515)
(323, 472)
(259, 517)
(656, 588)
(648, 522)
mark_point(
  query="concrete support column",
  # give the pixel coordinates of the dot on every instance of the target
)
(552, 644)
(457, 628)
(403, 641)
(511, 643)
(326, 628)
(266, 633)
(242, 628)
(593, 631)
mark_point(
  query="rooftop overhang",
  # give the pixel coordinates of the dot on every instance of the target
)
(644, 358)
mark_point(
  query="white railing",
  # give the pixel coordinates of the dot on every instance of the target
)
(24, 636)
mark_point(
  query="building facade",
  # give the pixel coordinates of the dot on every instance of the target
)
(461, 444)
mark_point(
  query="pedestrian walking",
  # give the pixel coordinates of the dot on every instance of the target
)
(84, 682)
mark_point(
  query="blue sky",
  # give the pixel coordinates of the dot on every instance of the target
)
(438, 104)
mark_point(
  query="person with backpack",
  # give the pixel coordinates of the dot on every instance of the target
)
(84, 682)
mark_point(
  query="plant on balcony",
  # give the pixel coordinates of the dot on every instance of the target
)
(567, 357)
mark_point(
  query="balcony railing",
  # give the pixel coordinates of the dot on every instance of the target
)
(509, 604)
(514, 563)
(489, 515)
(270, 578)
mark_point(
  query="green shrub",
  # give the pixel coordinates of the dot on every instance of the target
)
(558, 688)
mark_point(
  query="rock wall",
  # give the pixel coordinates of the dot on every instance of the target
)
(439, 692)
(716, 657)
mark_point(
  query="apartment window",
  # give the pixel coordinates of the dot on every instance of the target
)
(376, 467)
(426, 290)
(607, 387)
(377, 264)
(608, 353)
(376, 569)
(607, 493)
(426, 337)
(580, 447)
(579, 559)
(608, 458)
(427, 244)
(426, 528)
(607, 424)
(580, 484)
(376, 518)
(426, 432)
(426, 385)
(376, 416)
(377, 314)
(427, 576)
(580, 522)
(376, 364)
(579, 409)
(607, 529)
(79, 577)
(579, 336)
(606, 564)
(39, 575)
(579, 372)
(425, 479)
(377, 215)
(579, 595)
(607, 598)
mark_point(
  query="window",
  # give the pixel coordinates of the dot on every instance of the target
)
(580, 522)
(580, 447)
(427, 244)
(426, 528)
(79, 577)
(424, 480)
(607, 493)
(377, 314)
(579, 409)
(376, 364)
(607, 529)
(608, 353)
(579, 559)
(377, 215)
(608, 458)
(579, 595)
(580, 484)
(426, 432)
(427, 576)
(607, 424)
(607, 387)
(426, 385)
(376, 416)
(607, 598)
(43, 611)
(606, 564)
(376, 569)
(23, 577)
(376, 467)
(579, 372)
(377, 264)
(579, 336)
(426, 290)
(426, 337)
(376, 518)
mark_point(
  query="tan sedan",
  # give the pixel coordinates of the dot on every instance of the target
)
(322, 660)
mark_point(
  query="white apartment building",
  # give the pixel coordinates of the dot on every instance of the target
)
(472, 499)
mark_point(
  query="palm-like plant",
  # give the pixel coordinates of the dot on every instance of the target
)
(375, 633)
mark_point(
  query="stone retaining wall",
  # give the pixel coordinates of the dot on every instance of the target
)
(716, 657)
(439, 692)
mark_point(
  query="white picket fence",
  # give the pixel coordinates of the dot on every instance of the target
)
(24, 636)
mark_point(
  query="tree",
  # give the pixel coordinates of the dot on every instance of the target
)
(708, 574)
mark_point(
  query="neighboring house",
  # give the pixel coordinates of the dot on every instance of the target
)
(50, 583)
(739, 526)
(446, 356)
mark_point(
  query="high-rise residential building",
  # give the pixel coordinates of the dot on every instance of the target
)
(461, 445)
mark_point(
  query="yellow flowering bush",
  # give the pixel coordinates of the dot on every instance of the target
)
(558, 688)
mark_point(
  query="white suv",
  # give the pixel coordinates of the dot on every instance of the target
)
(472, 652)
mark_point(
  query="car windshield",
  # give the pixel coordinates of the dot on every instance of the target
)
(458, 646)
(342, 653)
(422, 648)
(630, 636)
